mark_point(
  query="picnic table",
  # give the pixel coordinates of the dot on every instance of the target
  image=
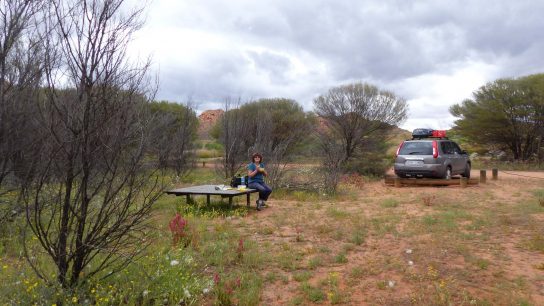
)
(209, 190)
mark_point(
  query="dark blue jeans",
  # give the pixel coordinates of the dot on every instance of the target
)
(264, 190)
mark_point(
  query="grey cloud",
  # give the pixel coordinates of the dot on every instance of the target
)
(382, 42)
(274, 65)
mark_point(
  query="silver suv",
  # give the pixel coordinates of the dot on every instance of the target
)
(431, 154)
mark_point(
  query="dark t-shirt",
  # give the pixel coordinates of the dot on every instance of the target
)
(259, 177)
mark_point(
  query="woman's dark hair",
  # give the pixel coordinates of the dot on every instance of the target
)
(256, 155)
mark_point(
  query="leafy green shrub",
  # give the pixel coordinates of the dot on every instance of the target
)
(214, 146)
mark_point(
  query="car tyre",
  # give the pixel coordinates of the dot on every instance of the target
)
(466, 173)
(447, 175)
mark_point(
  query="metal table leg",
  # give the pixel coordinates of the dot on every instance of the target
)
(208, 199)
(248, 198)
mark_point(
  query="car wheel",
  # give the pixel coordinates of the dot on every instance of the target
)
(467, 171)
(447, 175)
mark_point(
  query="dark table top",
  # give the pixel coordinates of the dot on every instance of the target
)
(209, 189)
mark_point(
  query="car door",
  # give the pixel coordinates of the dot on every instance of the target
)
(446, 151)
(449, 149)
(460, 159)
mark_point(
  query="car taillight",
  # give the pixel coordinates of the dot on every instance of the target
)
(400, 146)
(435, 149)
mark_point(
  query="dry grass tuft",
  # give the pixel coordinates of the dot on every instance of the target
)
(428, 200)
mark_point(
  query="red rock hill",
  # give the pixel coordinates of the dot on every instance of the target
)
(206, 121)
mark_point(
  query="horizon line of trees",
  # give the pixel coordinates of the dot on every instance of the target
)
(348, 131)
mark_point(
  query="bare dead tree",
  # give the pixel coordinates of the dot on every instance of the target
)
(89, 197)
(275, 139)
(20, 75)
(331, 149)
(233, 134)
(356, 111)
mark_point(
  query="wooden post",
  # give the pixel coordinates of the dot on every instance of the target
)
(495, 174)
(203, 164)
(397, 182)
(483, 176)
(463, 182)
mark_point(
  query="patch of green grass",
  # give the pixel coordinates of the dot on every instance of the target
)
(389, 203)
(314, 262)
(249, 291)
(533, 206)
(358, 236)
(206, 153)
(482, 263)
(356, 272)
(297, 195)
(478, 224)
(445, 221)
(324, 249)
(200, 208)
(338, 234)
(341, 258)
(337, 297)
(271, 277)
(313, 294)
(535, 243)
(382, 285)
(289, 260)
(336, 213)
(202, 176)
(324, 228)
(297, 300)
(302, 276)
(383, 225)
(348, 247)
(266, 230)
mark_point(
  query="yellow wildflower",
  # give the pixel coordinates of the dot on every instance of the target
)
(74, 299)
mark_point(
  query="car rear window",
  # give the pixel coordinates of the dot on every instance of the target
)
(417, 148)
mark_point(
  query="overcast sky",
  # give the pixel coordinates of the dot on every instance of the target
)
(432, 53)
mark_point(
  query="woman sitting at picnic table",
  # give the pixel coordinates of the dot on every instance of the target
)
(256, 174)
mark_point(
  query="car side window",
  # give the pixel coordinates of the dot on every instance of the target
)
(444, 147)
(447, 148)
(456, 148)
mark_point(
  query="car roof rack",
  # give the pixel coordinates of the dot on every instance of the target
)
(422, 133)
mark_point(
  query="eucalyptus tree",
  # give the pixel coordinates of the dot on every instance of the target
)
(506, 114)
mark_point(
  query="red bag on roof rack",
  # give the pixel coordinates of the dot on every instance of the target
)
(428, 133)
(439, 133)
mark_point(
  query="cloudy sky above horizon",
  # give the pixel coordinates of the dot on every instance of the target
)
(432, 53)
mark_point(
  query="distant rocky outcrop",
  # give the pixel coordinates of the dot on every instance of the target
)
(206, 121)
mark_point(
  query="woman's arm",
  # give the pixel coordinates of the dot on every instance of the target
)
(252, 173)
